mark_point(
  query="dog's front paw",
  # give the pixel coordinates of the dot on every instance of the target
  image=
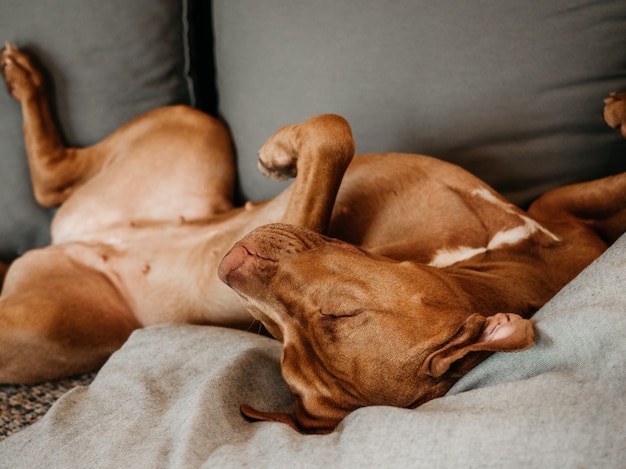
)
(320, 140)
(615, 112)
(278, 157)
(22, 79)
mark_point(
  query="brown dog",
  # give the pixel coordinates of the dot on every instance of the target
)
(446, 270)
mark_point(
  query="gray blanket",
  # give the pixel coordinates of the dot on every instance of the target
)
(170, 398)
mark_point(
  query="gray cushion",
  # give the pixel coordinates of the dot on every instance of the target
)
(511, 90)
(107, 61)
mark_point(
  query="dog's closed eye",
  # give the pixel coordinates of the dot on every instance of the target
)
(341, 313)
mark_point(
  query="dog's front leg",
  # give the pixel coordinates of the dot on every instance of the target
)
(317, 152)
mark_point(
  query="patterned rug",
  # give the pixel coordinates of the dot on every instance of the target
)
(22, 405)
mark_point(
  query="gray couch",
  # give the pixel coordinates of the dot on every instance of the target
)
(510, 90)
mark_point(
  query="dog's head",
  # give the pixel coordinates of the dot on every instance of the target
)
(359, 329)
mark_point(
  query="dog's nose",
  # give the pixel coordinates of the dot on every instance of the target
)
(230, 266)
(259, 252)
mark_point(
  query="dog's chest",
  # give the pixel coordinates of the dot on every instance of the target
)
(439, 227)
(504, 226)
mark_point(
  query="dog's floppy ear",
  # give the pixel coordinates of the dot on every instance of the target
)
(503, 332)
(258, 415)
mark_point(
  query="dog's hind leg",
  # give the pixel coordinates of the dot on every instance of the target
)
(184, 143)
(599, 204)
(54, 169)
(58, 318)
(604, 202)
(317, 152)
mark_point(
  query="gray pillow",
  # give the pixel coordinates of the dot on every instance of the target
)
(510, 90)
(106, 61)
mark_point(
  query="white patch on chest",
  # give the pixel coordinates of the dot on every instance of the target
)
(445, 257)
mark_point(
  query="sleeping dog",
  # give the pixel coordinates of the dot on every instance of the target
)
(432, 273)
(386, 276)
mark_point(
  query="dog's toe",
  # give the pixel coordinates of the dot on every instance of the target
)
(615, 112)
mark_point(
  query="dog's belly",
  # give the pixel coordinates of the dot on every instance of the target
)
(89, 216)
(166, 274)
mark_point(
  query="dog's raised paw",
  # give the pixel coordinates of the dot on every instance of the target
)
(326, 136)
(280, 169)
(278, 157)
(22, 79)
(615, 112)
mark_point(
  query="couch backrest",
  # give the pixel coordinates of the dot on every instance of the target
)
(510, 90)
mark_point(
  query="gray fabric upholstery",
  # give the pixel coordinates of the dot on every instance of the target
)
(170, 398)
(510, 90)
(106, 62)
